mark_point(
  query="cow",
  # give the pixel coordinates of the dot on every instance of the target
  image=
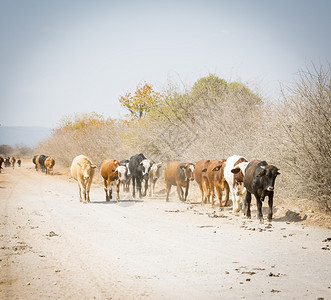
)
(179, 174)
(259, 180)
(39, 161)
(235, 179)
(34, 160)
(139, 167)
(215, 175)
(153, 175)
(2, 160)
(19, 162)
(7, 161)
(12, 161)
(109, 173)
(82, 170)
(202, 180)
(49, 164)
(126, 185)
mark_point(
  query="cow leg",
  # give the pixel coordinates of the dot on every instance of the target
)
(270, 202)
(88, 187)
(106, 189)
(202, 194)
(146, 188)
(153, 190)
(219, 195)
(118, 191)
(168, 188)
(133, 187)
(180, 192)
(139, 187)
(234, 200)
(186, 191)
(259, 207)
(80, 192)
(248, 199)
(212, 194)
(206, 189)
(227, 189)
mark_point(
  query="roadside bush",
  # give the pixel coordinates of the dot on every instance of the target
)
(306, 115)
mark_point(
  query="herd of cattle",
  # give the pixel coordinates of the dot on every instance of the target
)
(9, 162)
(44, 163)
(235, 175)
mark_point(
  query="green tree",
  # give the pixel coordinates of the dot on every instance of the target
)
(141, 101)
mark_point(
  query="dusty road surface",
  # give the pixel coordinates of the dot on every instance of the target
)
(52, 246)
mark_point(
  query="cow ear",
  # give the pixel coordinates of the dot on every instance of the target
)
(278, 173)
(141, 163)
(93, 166)
(235, 170)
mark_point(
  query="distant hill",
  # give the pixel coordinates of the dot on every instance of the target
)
(23, 136)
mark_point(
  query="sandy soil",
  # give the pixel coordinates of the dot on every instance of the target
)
(52, 246)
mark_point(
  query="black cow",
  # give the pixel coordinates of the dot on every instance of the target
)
(260, 180)
(7, 162)
(35, 162)
(19, 162)
(126, 185)
(41, 161)
(139, 167)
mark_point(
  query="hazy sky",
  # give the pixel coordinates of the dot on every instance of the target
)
(60, 57)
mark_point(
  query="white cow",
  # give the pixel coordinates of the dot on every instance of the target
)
(234, 172)
(82, 170)
(153, 175)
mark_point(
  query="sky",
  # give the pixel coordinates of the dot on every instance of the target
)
(63, 57)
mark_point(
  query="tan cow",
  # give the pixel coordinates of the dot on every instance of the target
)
(12, 161)
(215, 175)
(82, 170)
(49, 164)
(109, 173)
(153, 175)
(200, 175)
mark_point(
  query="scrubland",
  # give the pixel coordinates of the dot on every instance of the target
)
(215, 119)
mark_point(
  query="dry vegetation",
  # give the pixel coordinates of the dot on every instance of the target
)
(215, 119)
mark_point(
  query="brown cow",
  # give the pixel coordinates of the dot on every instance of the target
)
(82, 170)
(49, 164)
(200, 174)
(12, 161)
(215, 175)
(109, 173)
(179, 174)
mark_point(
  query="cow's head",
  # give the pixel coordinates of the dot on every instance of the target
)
(145, 166)
(87, 169)
(268, 174)
(188, 171)
(122, 173)
(155, 168)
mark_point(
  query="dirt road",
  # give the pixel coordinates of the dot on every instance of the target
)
(52, 246)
